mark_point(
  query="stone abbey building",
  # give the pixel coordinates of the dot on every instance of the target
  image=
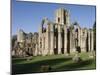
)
(58, 37)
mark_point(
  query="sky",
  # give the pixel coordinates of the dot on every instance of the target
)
(28, 15)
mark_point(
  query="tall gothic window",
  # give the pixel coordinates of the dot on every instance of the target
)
(76, 30)
(64, 17)
(58, 19)
(40, 45)
(83, 33)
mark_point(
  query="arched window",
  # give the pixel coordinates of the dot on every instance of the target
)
(68, 30)
(40, 45)
(58, 19)
(83, 33)
(76, 30)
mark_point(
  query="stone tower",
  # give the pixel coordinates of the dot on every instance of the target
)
(20, 36)
(62, 17)
(58, 37)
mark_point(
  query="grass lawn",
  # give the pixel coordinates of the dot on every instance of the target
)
(56, 62)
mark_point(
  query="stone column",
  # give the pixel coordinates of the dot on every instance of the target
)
(47, 42)
(68, 18)
(59, 39)
(89, 40)
(39, 43)
(43, 44)
(74, 45)
(35, 50)
(65, 39)
(92, 40)
(79, 37)
(85, 41)
(40, 38)
(51, 39)
(82, 40)
(70, 41)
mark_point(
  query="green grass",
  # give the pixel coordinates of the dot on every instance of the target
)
(57, 63)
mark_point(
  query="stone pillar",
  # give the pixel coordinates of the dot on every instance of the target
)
(82, 40)
(79, 38)
(74, 45)
(70, 41)
(39, 42)
(65, 39)
(59, 39)
(47, 42)
(85, 41)
(68, 18)
(51, 39)
(35, 50)
(92, 40)
(89, 40)
(43, 45)
(40, 38)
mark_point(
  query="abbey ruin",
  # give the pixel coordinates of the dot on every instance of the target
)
(58, 37)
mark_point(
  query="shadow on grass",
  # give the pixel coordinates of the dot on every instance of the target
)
(87, 64)
(17, 60)
(34, 67)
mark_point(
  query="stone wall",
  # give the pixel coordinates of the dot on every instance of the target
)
(58, 37)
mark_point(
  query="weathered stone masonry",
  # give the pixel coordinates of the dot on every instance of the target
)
(58, 37)
(63, 37)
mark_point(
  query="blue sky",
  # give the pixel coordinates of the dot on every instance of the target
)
(28, 15)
